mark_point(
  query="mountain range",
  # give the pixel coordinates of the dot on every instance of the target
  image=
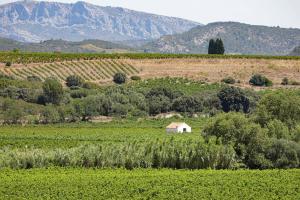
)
(238, 38)
(83, 27)
(295, 52)
(35, 21)
(85, 46)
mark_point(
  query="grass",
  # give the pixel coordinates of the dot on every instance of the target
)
(73, 135)
(69, 183)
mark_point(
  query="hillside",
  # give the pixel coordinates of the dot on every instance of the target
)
(92, 70)
(295, 52)
(238, 39)
(33, 21)
(86, 46)
(200, 69)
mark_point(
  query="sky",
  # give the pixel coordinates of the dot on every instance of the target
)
(283, 13)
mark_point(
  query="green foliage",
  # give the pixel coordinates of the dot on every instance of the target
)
(188, 104)
(135, 78)
(90, 85)
(53, 91)
(260, 80)
(34, 78)
(234, 99)
(228, 80)
(73, 184)
(248, 138)
(120, 78)
(77, 94)
(216, 47)
(281, 105)
(8, 64)
(74, 81)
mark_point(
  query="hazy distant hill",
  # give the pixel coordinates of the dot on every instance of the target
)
(295, 52)
(238, 38)
(38, 21)
(64, 46)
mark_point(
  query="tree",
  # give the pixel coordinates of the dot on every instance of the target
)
(234, 99)
(216, 46)
(188, 104)
(120, 78)
(53, 91)
(280, 105)
(219, 46)
(248, 138)
(260, 80)
(211, 46)
(74, 81)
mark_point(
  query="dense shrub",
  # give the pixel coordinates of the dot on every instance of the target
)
(159, 104)
(135, 78)
(285, 81)
(8, 64)
(280, 105)
(234, 99)
(260, 80)
(120, 78)
(90, 85)
(34, 78)
(228, 80)
(188, 104)
(53, 91)
(248, 138)
(74, 80)
(77, 94)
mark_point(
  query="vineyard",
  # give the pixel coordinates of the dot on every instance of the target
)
(77, 183)
(26, 57)
(91, 70)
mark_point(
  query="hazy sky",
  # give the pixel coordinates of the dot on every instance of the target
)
(284, 13)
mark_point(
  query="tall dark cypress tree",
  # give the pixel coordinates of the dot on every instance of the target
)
(211, 47)
(216, 46)
(219, 46)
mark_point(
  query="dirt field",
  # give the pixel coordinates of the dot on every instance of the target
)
(214, 70)
(210, 70)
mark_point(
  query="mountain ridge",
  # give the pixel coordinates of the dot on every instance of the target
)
(239, 38)
(85, 46)
(32, 21)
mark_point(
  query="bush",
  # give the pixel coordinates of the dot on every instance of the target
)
(248, 138)
(228, 80)
(234, 99)
(295, 83)
(8, 64)
(74, 80)
(285, 81)
(135, 78)
(120, 78)
(260, 80)
(77, 94)
(53, 91)
(280, 105)
(90, 85)
(187, 104)
(33, 78)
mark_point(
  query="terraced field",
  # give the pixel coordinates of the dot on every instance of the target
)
(91, 70)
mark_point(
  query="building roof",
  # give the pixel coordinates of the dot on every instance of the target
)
(176, 124)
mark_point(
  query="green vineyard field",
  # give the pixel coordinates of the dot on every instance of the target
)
(91, 70)
(69, 183)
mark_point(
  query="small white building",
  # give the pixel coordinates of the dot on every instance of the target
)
(178, 127)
